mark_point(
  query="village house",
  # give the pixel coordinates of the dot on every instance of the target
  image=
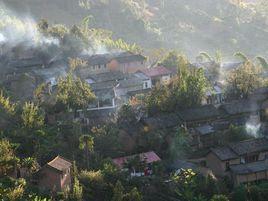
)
(198, 116)
(203, 136)
(125, 62)
(214, 96)
(138, 164)
(249, 173)
(115, 88)
(244, 108)
(55, 175)
(163, 121)
(147, 82)
(158, 74)
(244, 161)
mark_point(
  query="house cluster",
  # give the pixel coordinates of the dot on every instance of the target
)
(56, 175)
(116, 77)
(208, 127)
(244, 162)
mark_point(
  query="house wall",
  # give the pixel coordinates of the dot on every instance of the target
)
(147, 84)
(217, 166)
(53, 180)
(248, 178)
(113, 65)
(66, 179)
(263, 156)
(132, 67)
(85, 71)
(49, 179)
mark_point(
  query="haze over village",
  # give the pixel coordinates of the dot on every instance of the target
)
(133, 100)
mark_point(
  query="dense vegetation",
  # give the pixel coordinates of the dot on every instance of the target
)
(185, 25)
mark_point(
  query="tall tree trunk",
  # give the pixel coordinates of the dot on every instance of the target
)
(87, 155)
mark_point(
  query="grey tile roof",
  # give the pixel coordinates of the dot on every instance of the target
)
(234, 150)
(249, 168)
(121, 57)
(163, 121)
(250, 146)
(23, 63)
(240, 107)
(224, 153)
(200, 113)
(108, 76)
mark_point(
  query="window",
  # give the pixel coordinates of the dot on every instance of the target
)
(105, 66)
(252, 158)
(146, 85)
(99, 66)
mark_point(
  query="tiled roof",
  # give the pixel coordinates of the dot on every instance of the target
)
(148, 157)
(250, 146)
(163, 121)
(156, 71)
(200, 113)
(240, 107)
(249, 168)
(29, 62)
(59, 163)
(121, 57)
(224, 153)
(234, 150)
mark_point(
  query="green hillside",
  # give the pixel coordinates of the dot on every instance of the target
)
(187, 25)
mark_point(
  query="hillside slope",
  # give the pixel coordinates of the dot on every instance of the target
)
(187, 25)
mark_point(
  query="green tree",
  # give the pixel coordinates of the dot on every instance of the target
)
(171, 59)
(58, 31)
(243, 81)
(106, 140)
(186, 90)
(6, 104)
(219, 198)
(8, 160)
(31, 116)
(263, 62)
(86, 144)
(43, 25)
(30, 164)
(118, 192)
(241, 56)
(74, 93)
(133, 195)
(76, 193)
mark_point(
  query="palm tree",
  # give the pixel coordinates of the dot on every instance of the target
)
(241, 56)
(217, 57)
(263, 62)
(30, 164)
(206, 56)
(87, 144)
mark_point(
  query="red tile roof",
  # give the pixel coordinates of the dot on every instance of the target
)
(149, 157)
(156, 71)
(59, 163)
